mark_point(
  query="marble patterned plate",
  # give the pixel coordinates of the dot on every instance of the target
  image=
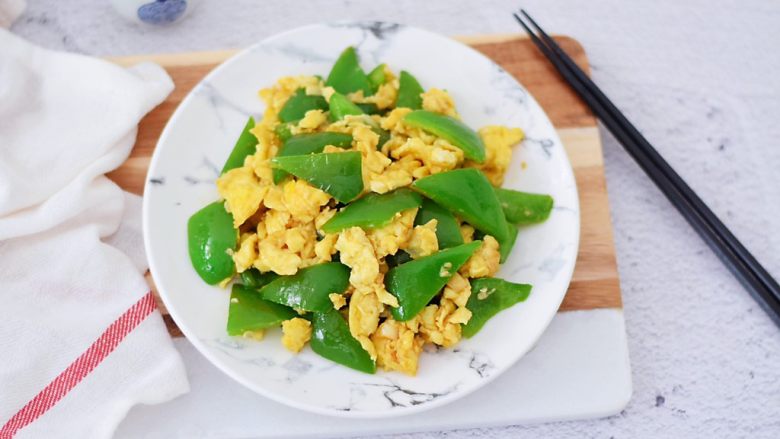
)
(198, 139)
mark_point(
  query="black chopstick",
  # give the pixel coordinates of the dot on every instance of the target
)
(746, 268)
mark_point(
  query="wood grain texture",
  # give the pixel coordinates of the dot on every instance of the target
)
(595, 283)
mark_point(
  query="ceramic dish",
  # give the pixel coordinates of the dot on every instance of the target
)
(200, 135)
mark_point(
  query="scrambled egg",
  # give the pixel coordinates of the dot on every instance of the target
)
(484, 262)
(439, 101)
(423, 241)
(388, 239)
(296, 333)
(498, 142)
(242, 193)
(281, 225)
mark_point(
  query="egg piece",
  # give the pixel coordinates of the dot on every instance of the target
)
(310, 122)
(303, 200)
(485, 260)
(325, 248)
(498, 142)
(423, 241)
(384, 97)
(357, 252)
(296, 333)
(397, 347)
(437, 326)
(273, 256)
(467, 233)
(458, 290)
(438, 156)
(388, 239)
(398, 174)
(242, 192)
(364, 310)
(338, 300)
(275, 221)
(393, 121)
(439, 101)
(247, 252)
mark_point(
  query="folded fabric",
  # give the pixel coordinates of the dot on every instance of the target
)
(81, 338)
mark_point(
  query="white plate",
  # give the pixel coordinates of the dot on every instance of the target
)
(198, 139)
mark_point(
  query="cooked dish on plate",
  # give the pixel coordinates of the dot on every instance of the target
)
(365, 218)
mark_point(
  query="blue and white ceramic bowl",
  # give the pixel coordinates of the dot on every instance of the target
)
(199, 137)
(155, 12)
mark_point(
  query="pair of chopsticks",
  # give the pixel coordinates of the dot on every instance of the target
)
(732, 253)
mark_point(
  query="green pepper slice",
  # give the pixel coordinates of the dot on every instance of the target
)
(331, 339)
(250, 312)
(245, 145)
(416, 282)
(447, 228)
(488, 297)
(373, 210)
(284, 130)
(341, 106)
(506, 247)
(253, 278)
(211, 236)
(347, 76)
(467, 193)
(299, 103)
(368, 108)
(524, 207)
(451, 130)
(384, 136)
(339, 174)
(409, 92)
(308, 289)
(377, 76)
(307, 144)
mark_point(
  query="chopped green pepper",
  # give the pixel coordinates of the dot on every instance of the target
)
(341, 106)
(400, 257)
(409, 92)
(346, 76)
(284, 130)
(451, 130)
(331, 339)
(308, 289)
(416, 282)
(373, 210)
(245, 145)
(447, 228)
(488, 297)
(339, 174)
(524, 207)
(309, 143)
(250, 312)
(377, 76)
(467, 193)
(253, 278)
(368, 108)
(506, 247)
(384, 136)
(299, 103)
(211, 237)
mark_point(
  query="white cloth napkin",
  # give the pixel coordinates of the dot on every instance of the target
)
(81, 340)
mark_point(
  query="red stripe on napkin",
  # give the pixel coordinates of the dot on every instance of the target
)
(89, 360)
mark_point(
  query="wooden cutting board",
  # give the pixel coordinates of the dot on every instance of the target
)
(595, 283)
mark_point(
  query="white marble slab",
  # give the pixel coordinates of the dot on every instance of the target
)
(579, 369)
